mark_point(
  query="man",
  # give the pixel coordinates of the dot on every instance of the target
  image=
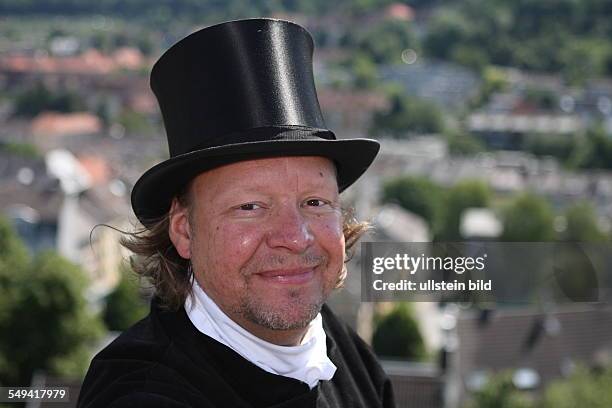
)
(244, 237)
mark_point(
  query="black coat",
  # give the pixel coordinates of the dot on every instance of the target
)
(164, 361)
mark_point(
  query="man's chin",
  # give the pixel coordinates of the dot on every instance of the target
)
(288, 316)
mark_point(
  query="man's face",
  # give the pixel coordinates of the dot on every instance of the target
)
(266, 239)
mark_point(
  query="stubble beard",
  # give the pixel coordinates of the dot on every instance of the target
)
(295, 308)
(296, 313)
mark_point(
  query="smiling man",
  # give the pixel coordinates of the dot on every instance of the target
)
(244, 238)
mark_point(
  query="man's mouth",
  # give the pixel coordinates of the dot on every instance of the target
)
(288, 276)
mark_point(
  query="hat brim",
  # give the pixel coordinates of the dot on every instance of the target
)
(153, 192)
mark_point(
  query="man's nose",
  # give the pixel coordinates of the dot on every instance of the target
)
(290, 229)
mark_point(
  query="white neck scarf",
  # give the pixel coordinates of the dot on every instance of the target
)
(307, 362)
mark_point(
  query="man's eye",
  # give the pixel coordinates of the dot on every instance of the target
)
(249, 206)
(315, 202)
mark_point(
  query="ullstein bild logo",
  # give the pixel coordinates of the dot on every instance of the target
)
(432, 285)
(423, 263)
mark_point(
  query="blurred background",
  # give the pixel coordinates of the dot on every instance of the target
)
(495, 118)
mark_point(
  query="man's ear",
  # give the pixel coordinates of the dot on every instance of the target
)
(179, 229)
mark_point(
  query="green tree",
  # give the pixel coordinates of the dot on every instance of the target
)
(542, 98)
(583, 58)
(363, 70)
(448, 28)
(418, 195)
(145, 44)
(460, 143)
(384, 43)
(397, 335)
(499, 392)
(583, 388)
(583, 28)
(528, 218)
(33, 101)
(493, 80)
(125, 305)
(28, 150)
(595, 151)
(365, 6)
(472, 57)
(582, 225)
(463, 195)
(407, 114)
(44, 319)
(562, 147)
(13, 253)
(13, 260)
(134, 122)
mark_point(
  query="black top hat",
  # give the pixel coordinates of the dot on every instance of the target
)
(236, 91)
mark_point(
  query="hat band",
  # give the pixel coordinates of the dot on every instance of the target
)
(265, 134)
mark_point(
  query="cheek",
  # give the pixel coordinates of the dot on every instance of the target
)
(230, 247)
(331, 238)
(238, 242)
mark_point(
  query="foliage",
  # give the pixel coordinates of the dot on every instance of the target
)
(13, 259)
(364, 6)
(562, 147)
(499, 392)
(407, 114)
(591, 149)
(471, 57)
(418, 195)
(463, 195)
(493, 81)
(569, 37)
(166, 9)
(563, 36)
(363, 70)
(21, 149)
(440, 208)
(541, 98)
(448, 29)
(13, 253)
(383, 43)
(38, 99)
(125, 305)
(460, 143)
(528, 218)
(582, 225)
(134, 122)
(397, 335)
(44, 320)
(380, 44)
(196, 9)
(583, 388)
(595, 151)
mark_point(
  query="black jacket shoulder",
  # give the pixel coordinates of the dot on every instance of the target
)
(164, 361)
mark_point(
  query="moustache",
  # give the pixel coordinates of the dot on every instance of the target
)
(270, 262)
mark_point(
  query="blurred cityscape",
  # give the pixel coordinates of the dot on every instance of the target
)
(495, 119)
